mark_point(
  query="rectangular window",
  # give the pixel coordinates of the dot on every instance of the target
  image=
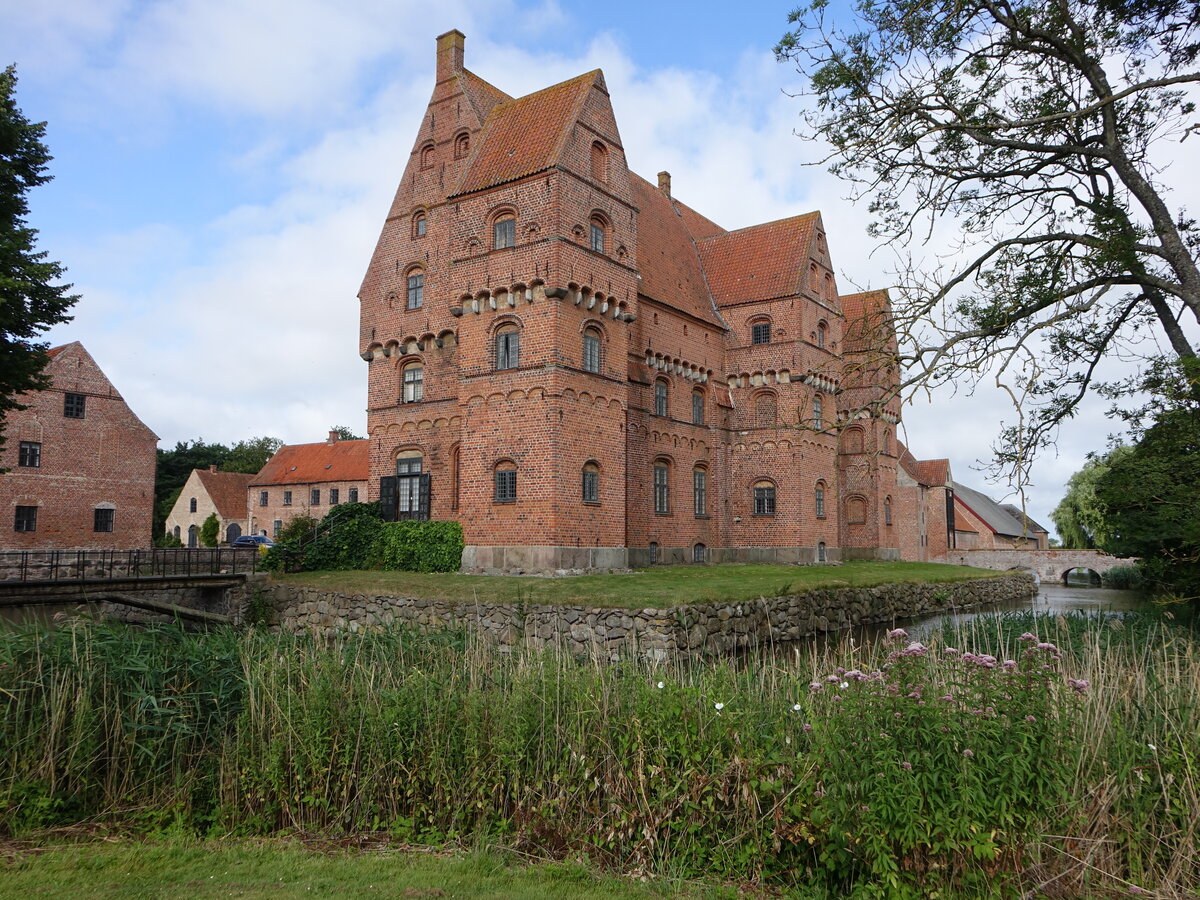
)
(662, 490)
(416, 290)
(277, 526)
(353, 495)
(262, 498)
(333, 496)
(73, 405)
(597, 238)
(508, 350)
(30, 455)
(764, 501)
(505, 233)
(412, 489)
(506, 485)
(660, 398)
(591, 486)
(414, 383)
(700, 491)
(26, 519)
(760, 333)
(314, 497)
(102, 520)
(591, 352)
(698, 408)
(287, 498)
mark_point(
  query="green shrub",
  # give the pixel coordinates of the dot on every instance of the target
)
(419, 546)
(348, 534)
(167, 541)
(210, 531)
(1123, 578)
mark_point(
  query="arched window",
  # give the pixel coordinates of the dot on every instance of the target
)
(821, 555)
(508, 347)
(192, 505)
(427, 156)
(419, 224)
(854, 440)
(597, 229)
(505, 478)
(504, 231)
(887, 511)
(764, 498)
(822, 330)
(765, 409)
(697, 407)
(819, 500)
(818, 413)
(699, 553)
(591, 349)
(760, 331)
(591, 482)
(661, 387)
(653, 552)
(176, 532)
(814, 280)
(662, 487)
(856, 510)
(887, 441)
(193, 536)
(700, 490)
(599, 161)
(412, 486)
(462, 145)
(413, 382)
(455, 474)
(415, 285)
(828, 286)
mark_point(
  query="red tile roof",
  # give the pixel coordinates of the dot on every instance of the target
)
(759, 262)
(929, 472)
(526, 135)
(667, 259)
(227, 491)
(311, 463)
(482, 96)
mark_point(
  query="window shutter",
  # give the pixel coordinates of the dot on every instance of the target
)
(387, 498)
(423, 496)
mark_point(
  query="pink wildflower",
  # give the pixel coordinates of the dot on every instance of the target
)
(807, 727)
(906, 765)
(814, 686)
(1009, 664)
(1031, 718)
(916, 648)
(1044, 645)
(897, 634)
(950, 651)
(1079, 684)
(1028, 638)
(968, 753)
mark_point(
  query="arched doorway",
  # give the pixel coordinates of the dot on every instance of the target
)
(233, 532)
(193, 537)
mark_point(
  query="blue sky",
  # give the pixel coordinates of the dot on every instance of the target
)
(222, 169)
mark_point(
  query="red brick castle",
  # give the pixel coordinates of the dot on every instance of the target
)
(589, 375)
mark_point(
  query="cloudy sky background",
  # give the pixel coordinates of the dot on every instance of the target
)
(222, 169)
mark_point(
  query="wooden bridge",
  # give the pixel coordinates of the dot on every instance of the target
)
(1047, 565)
(206, 586)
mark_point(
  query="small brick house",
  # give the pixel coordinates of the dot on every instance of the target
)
(206, 492)
(306, 479)
(588, 374)
(80, 464)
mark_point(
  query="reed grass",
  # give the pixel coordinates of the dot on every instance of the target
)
(838, 765)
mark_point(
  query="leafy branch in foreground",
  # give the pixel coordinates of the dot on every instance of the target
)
(1035, 134)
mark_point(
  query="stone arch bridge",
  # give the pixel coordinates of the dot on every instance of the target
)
(1047, 565)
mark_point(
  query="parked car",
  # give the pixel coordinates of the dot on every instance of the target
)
(252, 540)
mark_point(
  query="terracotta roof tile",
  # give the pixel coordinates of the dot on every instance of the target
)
(526, 135)
(482, 96)
(667, 259)
(227, 491)
(759, 262)
(310, 463)
(933, 472)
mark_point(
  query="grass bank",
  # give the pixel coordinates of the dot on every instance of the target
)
(656, 588)
(1021, 755)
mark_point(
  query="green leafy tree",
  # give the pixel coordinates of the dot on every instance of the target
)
(31, 296)
(250, 456)
(1035, 133)
(175, 465)
(1080, 518)
(210, 531)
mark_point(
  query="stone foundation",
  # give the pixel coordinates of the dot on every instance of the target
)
(653, 633)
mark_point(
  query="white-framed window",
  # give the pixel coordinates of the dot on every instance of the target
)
(764, 498)
(416, 290)
(504, 232)
(30, 456)
(414, 382)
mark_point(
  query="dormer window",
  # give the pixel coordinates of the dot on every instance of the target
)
(504, 232)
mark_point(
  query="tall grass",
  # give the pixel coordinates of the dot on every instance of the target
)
(872, 769)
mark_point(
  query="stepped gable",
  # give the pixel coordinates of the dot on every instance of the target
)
(761, 262)
(227, 490)
(668, 263)
(309, 463)
(866, 313)
(525, 136)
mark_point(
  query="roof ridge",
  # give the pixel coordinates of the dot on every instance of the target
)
(732, 231)
(576, 111)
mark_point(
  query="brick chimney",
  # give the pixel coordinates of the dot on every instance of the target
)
(450, 54)
(664, 182)
(212, 468)
(334, 437)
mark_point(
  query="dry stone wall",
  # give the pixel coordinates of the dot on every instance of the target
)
(653, 633)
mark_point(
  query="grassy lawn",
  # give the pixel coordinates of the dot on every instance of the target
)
(281, 870)
(659, 587)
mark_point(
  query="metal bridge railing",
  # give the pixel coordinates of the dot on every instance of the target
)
(51, 566)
